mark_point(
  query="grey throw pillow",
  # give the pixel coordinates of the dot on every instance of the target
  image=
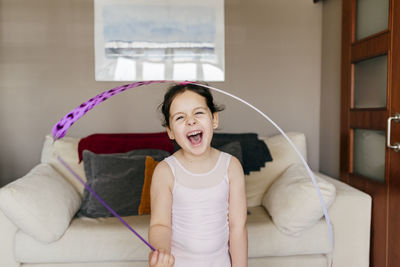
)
(118, 179)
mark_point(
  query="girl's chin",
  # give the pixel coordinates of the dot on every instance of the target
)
(198, 148)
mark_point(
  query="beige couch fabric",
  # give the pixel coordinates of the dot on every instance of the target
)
(67, 148)
(106, 242)
(293, 202)
(283, 155)
(292, 261)
(41, 204)
(7, 233)
(264, 235)
(105, 239)
(88, 239)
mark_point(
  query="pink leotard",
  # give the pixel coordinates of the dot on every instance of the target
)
(200, 227)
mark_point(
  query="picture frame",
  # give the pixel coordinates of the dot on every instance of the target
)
(139, 40)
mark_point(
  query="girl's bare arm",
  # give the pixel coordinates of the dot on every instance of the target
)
(237, 215)
(161, 205)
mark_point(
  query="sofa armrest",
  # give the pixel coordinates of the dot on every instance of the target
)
(41, 204)
(350, 215)
(7, 233)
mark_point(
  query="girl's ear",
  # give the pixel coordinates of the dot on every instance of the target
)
(170, 133)
(215, 120)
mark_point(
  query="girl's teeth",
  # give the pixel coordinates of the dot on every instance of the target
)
(194, 133)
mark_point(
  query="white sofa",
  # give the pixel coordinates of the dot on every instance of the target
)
(37, 227)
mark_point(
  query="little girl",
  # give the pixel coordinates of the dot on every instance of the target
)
(198, 202)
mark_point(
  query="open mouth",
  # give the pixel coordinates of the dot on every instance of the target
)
(195, 137)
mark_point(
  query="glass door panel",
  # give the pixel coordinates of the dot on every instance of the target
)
(369, 154)
(372, 16)
(370, 83)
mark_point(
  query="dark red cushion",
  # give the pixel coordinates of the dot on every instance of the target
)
(124, 142)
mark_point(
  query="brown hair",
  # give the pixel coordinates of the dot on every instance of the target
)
(177, 89)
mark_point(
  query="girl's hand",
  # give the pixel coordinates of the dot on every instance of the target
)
(160, 258)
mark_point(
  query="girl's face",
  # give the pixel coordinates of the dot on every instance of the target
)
(191, 123)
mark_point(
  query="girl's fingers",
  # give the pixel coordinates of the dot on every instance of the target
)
(161, 258)
(165, 258)
(171, 260)
(153, 258)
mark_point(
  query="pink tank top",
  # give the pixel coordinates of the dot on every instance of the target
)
(200, 227)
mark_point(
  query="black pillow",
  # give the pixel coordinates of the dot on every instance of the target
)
(255, 152)
(117, 179)
(233, 148)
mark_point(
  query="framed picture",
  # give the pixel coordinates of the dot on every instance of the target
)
(138, 40)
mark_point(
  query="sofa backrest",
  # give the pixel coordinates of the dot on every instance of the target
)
(67, 149)
(257, 183)
(283, 155)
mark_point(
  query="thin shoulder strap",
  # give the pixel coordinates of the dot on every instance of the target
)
(227, 161)
(171, 163)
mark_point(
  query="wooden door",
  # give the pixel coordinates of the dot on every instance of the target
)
(394, 156)
(370, 96)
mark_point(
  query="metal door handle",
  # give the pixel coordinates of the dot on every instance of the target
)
(396, 118)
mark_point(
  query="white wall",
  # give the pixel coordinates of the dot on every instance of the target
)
(330, 88)
(273, 60)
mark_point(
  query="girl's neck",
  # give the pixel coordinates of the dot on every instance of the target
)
(198, 163)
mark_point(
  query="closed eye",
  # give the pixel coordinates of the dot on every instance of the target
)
(178, 118)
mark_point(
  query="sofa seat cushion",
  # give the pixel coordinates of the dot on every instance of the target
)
(88, 239)
(107, 239)
(266, 240)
